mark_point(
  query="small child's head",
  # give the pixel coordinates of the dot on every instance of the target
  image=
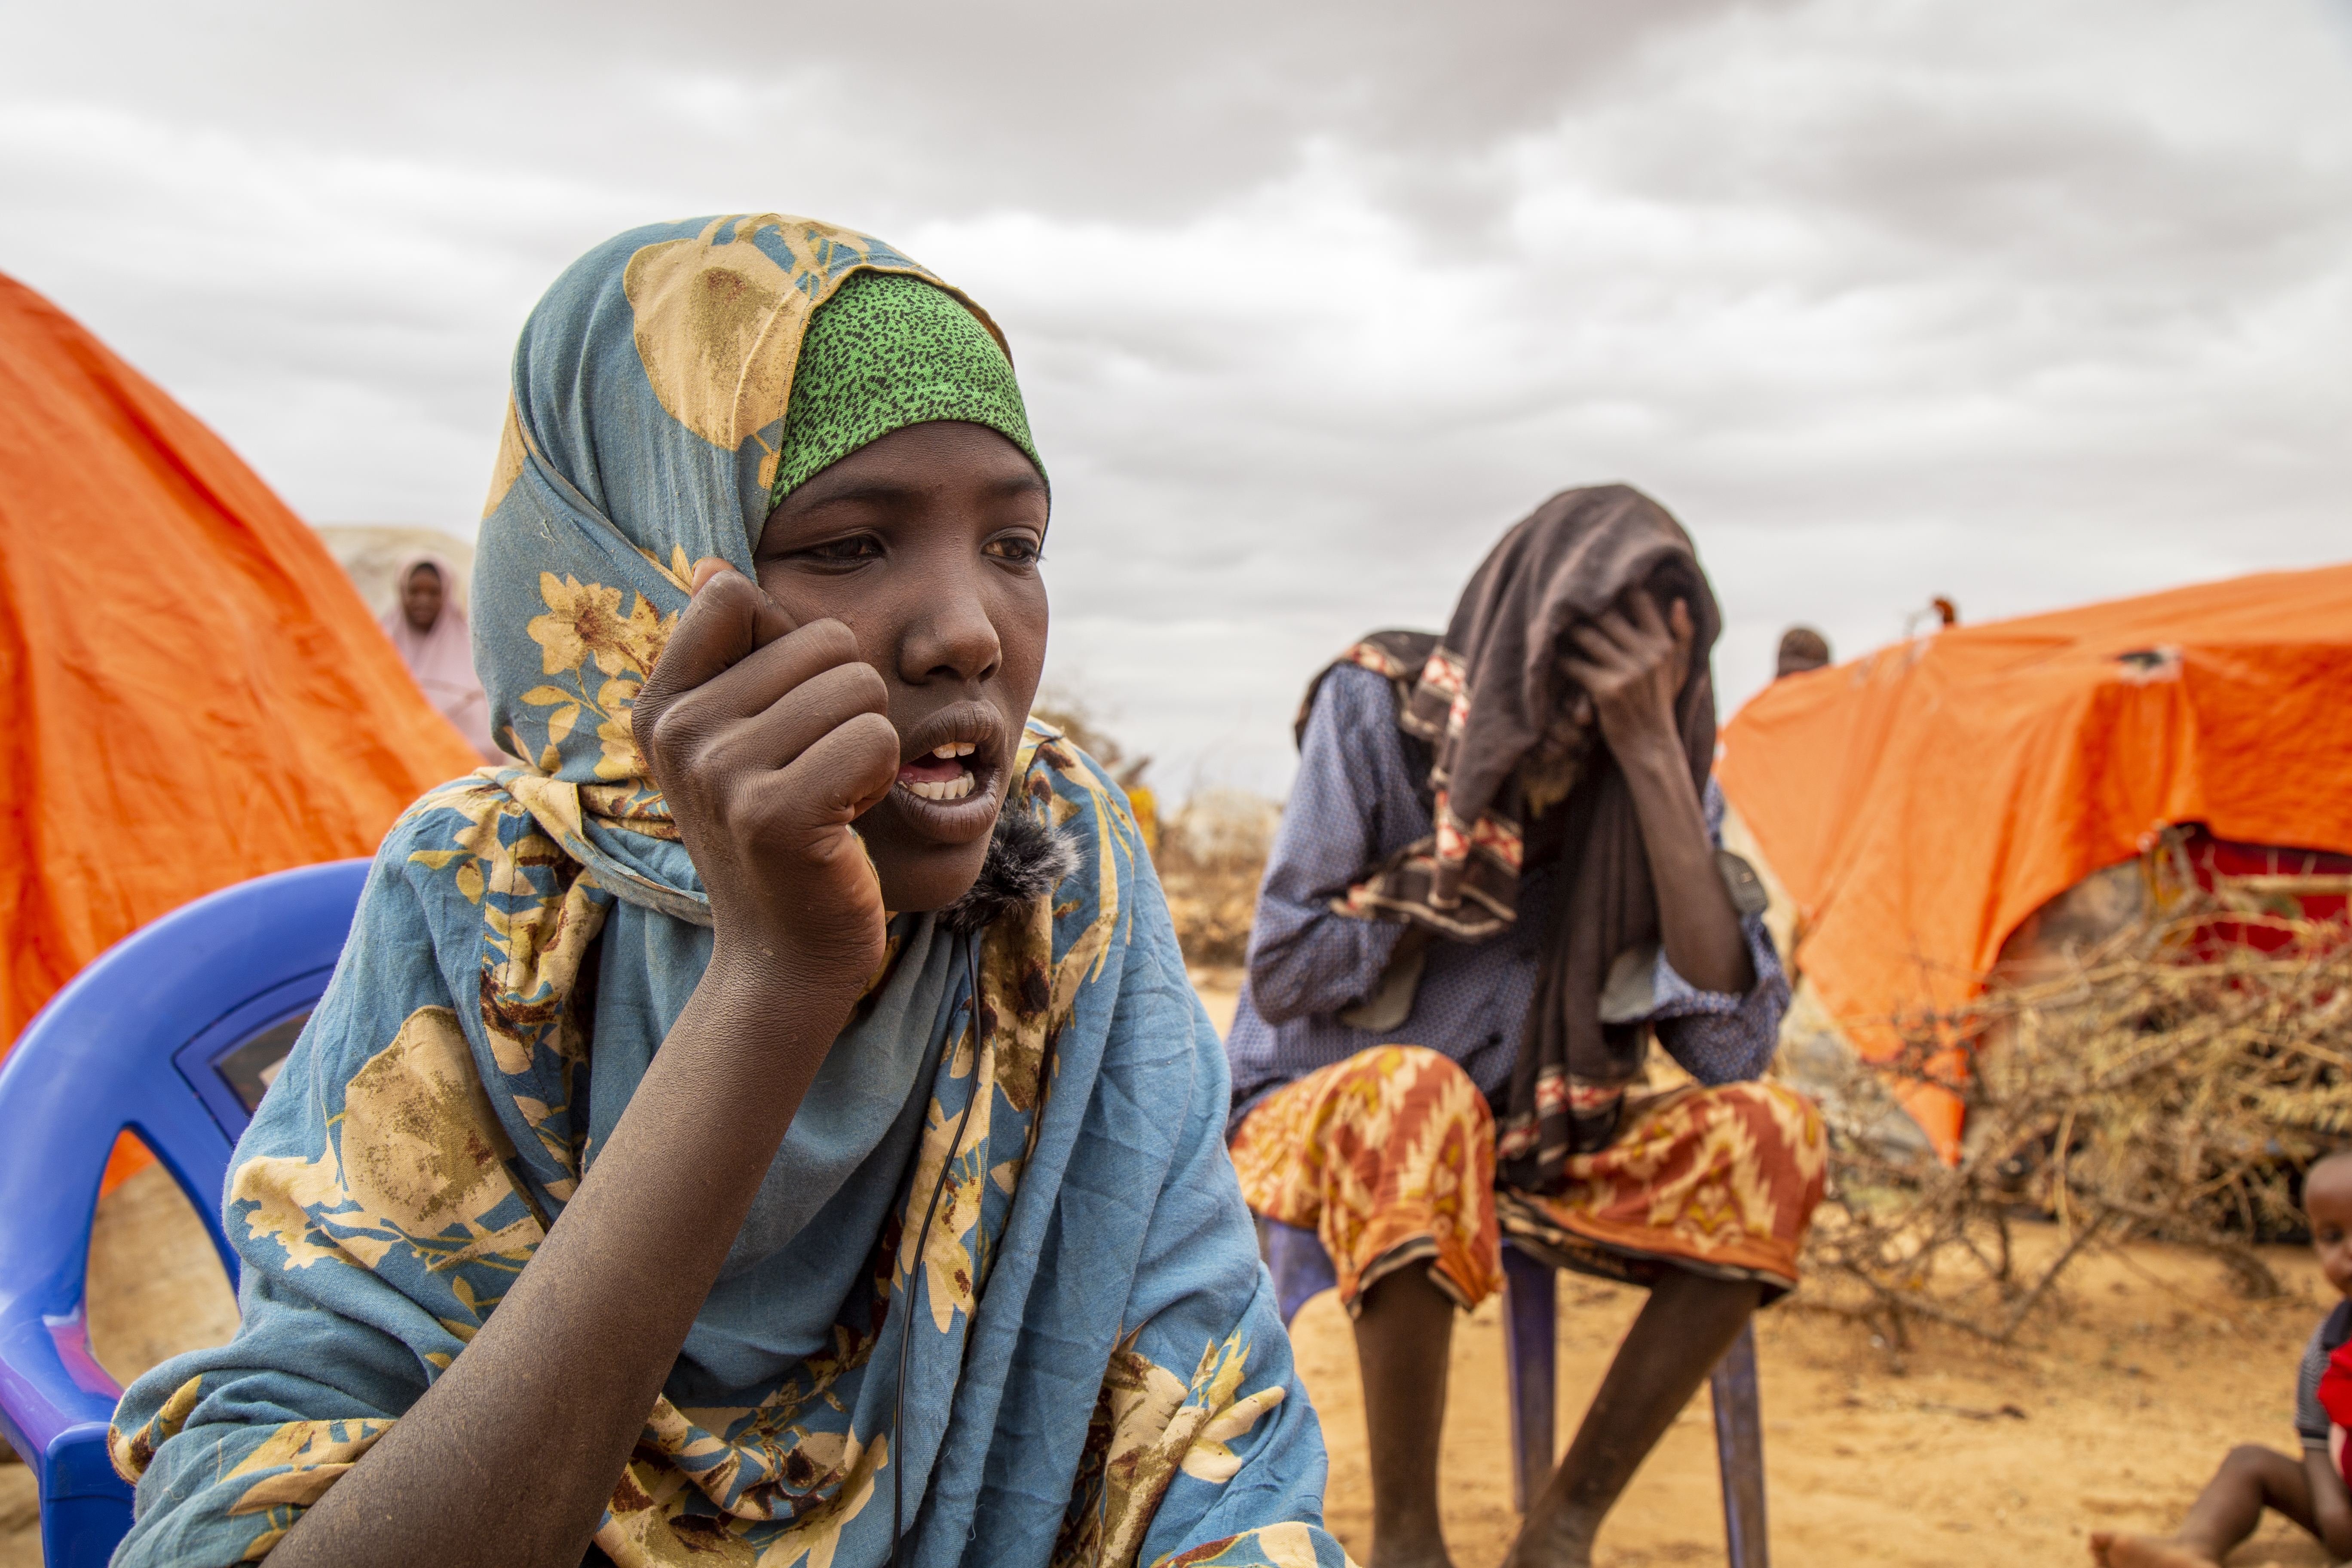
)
(2327, 1202)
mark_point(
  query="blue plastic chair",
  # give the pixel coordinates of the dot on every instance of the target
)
(1301, 1268)
(172, 1034)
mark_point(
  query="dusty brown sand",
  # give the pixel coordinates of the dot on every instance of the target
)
(2113, 1418)
(2112, 1415)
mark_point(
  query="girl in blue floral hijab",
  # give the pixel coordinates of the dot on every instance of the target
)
(768, 1121)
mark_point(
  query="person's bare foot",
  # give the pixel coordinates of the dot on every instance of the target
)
(1519, 1558)
(2113, 1551)
(1546, 1540)
(1522, 1556)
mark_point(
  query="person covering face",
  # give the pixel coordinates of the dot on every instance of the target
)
(1496, 883)
(768, 1123)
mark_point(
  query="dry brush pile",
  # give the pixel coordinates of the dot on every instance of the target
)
(1210, 852)
(2160, 1084)
(1212, 855)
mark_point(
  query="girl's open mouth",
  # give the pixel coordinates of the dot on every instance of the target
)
(942, 773)
(952, 775)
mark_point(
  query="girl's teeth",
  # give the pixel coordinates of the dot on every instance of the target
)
(955, 788)
(951, 750)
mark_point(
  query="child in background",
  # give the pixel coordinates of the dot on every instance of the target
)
(2335, 1402)
(2314, 1492)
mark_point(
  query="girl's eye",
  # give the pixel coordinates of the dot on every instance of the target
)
(844, 551)
(1017, 548)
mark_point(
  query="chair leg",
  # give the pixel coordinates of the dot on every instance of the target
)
(1300, 1267)
(1739, 1450)
(1529, 1347)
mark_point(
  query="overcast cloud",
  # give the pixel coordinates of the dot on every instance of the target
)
(2023, 304)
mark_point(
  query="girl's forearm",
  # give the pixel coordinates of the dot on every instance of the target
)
(511, 1455)
(1697, 922)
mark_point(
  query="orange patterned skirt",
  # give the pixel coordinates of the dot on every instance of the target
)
(1388, 1157)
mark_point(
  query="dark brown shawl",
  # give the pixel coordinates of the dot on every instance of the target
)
(1477, 701)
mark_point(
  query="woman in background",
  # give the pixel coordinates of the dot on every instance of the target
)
(1497, 879)
(428, 627)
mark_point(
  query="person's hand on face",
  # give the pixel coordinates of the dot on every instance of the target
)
(1632, 662)
(926, 545)
(910, 569)
(767, 741)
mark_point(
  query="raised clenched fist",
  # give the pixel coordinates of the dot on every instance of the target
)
(768, 739)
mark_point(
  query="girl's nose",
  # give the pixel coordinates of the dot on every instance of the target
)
(951, 637)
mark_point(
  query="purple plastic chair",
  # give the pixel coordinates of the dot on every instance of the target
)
(172, 1034)
(1302, 1268)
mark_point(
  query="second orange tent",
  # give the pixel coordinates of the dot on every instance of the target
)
(1920, 803)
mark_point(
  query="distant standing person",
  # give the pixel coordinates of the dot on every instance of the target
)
(2311, 1489)
(1495, 880)
(435, 642)
(1802, 648)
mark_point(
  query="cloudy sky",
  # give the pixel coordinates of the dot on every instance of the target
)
(2026, 304)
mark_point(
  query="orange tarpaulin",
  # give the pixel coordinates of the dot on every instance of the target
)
(194, 692)
(1920, 803)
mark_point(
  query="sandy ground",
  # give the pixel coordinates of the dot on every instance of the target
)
(1954, 1453)
(2112, 1417)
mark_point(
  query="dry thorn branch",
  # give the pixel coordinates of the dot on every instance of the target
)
(2166, 1087)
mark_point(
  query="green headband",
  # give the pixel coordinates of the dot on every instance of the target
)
(887, 350)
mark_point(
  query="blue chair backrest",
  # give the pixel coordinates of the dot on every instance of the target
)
(172, 1034)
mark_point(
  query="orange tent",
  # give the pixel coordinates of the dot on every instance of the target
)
(1920, 803)
(195, 692)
